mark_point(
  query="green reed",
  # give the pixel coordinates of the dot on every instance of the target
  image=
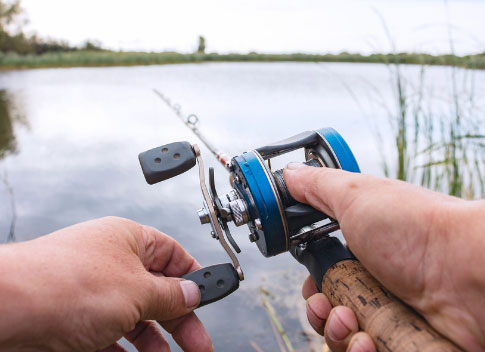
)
(439, 137)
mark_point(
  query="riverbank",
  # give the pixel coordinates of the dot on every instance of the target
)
(111, 58)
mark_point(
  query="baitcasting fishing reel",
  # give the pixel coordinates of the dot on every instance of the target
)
(259, 199)
(278, 223)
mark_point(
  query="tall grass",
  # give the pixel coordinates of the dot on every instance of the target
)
(438, 136)
(439, 139)
(452, 152)
(279, 332)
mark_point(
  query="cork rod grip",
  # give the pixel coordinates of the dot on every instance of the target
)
(392, 325)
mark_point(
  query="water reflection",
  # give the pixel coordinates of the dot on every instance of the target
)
(9, 117)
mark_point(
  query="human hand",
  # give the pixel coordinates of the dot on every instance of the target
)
(84, 287)
(425, 247)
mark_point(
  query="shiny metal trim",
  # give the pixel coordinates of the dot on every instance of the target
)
(330, 148)
(311, 154)
(212, 214)
(277, 196)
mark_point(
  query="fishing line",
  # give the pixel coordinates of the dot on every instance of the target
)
(192, 122)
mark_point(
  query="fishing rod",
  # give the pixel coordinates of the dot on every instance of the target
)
(191, 121)
(277, 223)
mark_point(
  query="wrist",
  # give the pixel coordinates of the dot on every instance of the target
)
(20, 323)
(465, 261)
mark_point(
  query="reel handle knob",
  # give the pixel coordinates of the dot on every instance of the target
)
(169, 160)
(215, 282)
(392, 325)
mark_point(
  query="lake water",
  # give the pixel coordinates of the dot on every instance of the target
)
(70, 140)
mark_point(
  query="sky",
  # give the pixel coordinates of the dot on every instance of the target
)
(314, 26)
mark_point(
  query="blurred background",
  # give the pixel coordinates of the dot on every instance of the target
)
(400, 80)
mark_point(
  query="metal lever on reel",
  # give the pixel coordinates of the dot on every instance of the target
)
(223, 212)
(159, 164)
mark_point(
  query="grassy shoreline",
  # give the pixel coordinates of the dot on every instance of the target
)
(110, 58)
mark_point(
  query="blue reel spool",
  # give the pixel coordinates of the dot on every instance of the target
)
(256, 184)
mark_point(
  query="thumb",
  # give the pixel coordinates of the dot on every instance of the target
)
(170, 298)
(325, 189)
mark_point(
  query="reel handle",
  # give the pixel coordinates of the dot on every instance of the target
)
(392, 325)
(169, 160)
(215, 282)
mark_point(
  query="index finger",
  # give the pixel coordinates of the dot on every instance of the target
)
(163, 254)
(157, 251)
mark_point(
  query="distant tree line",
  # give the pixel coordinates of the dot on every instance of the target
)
(19, 50)
(14, 40)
